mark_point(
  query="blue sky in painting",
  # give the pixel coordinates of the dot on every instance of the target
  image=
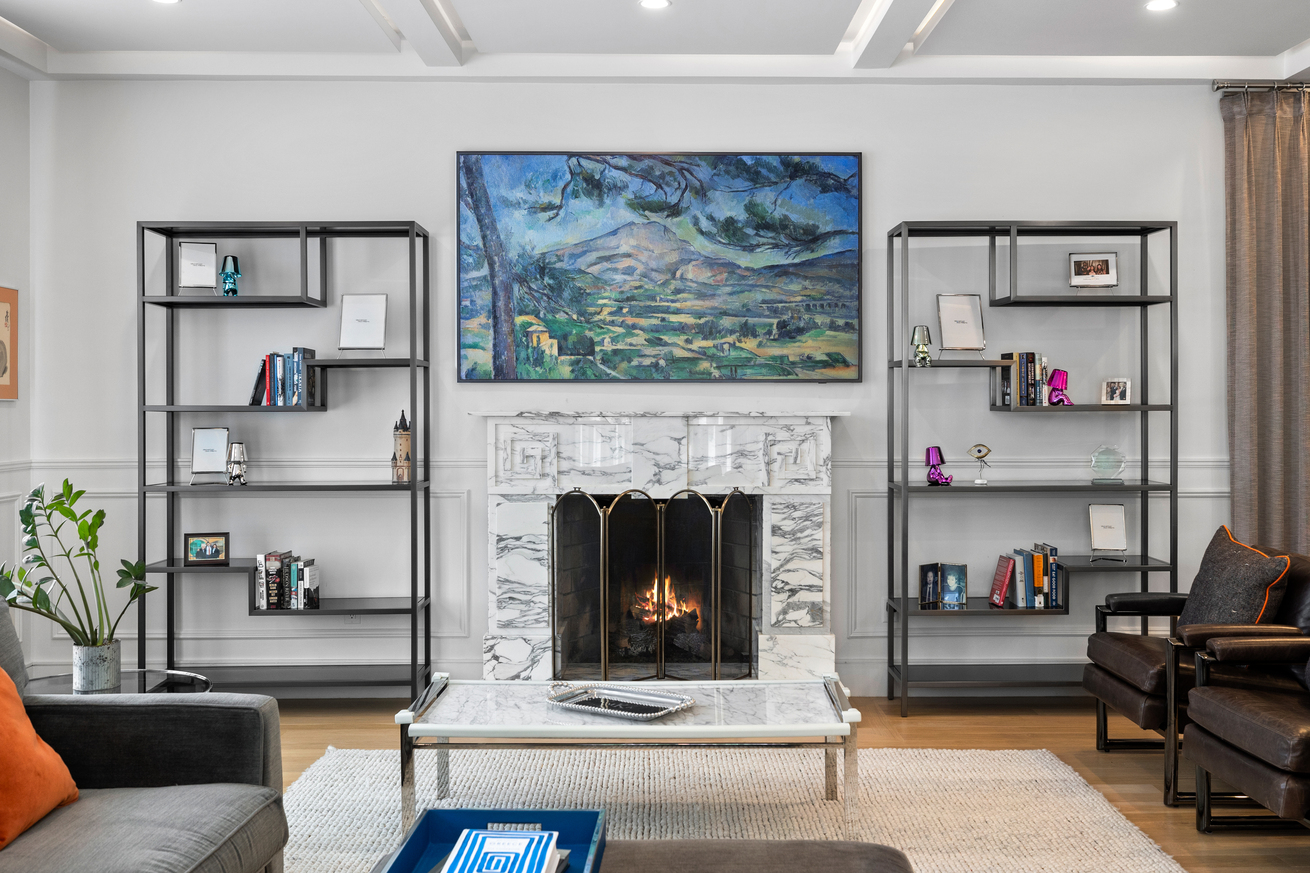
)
(515, 181)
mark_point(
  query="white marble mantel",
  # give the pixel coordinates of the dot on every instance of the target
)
(533, 456)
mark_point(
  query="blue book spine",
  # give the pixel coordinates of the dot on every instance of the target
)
(297, 378)
(1030, 588)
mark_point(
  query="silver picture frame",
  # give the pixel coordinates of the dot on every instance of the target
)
(363, 322)
(1094, 270)
(960, 323)
(197, 265)
(209, 455)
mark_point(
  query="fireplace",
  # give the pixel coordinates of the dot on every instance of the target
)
(654, 589)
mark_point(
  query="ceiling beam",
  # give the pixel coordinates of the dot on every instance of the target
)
(427, 29)
(892, 25)
(1296, 63)
(22, 53)
(384, 23)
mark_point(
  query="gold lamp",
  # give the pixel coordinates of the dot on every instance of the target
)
(920, 339)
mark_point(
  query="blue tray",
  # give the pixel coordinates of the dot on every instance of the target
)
(433, 836)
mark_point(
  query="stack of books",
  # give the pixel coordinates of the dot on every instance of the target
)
(496, 851)
(285, 581)
(284, 380)
(1030, 579)
(1026, 381)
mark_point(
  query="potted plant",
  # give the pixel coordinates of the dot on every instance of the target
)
(48, 583)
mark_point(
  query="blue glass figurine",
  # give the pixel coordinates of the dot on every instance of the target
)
(231, 272)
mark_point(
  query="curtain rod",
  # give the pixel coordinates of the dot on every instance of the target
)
(1220, 85)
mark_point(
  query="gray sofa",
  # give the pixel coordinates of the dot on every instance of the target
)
(188, 782)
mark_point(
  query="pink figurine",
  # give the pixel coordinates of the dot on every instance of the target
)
(1059, 384)
(933, 460)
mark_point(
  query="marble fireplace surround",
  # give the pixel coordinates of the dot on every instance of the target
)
(784, 458)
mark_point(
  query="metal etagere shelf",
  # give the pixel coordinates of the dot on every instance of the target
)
(902, 597)
(174, 489)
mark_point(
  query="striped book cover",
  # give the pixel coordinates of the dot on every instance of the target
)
(481, 851)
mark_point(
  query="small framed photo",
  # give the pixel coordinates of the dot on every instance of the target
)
(930, 586)
(197, 265)
(1116, 391)
(205, 550)
(1109, 529)
(8, 344)
(960, 319)
(955, 586)
(363, 321)
(1093, 269)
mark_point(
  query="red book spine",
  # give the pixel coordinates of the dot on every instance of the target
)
(268, 380)
(1001, 580)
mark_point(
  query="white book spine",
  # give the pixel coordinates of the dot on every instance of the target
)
(261, 584)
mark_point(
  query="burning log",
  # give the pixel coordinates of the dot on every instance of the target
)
(696, 643)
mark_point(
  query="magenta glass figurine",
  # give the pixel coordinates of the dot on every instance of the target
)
(933, 460)
(1059, 384)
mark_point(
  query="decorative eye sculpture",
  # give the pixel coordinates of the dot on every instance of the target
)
(978, 452)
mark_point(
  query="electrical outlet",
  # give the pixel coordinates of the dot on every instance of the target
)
(352, 619)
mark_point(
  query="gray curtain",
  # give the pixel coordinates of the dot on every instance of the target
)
(1267, 198)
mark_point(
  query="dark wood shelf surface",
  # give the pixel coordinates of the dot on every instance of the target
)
(284, 229)
(1027, 228)
(1086, 407)
(244, 566)
(360, 363)
(954, 364)
(281, 487)
(976, 606)
(200, 407)
(1089, 300)
(351, 606)
(255, 676)
(995, 486)
(248, 301)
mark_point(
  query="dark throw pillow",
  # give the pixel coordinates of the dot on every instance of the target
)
(1235, 585)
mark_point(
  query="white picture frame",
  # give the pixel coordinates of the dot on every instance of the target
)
(960, 322)
(363, 322)
(197, 265)
(1109, 527)
(1117, 391)
(1093, 269)
(208, 450)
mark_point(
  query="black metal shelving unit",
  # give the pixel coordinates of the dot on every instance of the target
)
(418, 605)
(902, 602)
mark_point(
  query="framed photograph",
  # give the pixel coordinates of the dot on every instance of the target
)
(205, 550)
(961, 322)
(690, 267)
(1116, 391)
(208, 454)
(197, 265)
(1093, 269)
(930, 586)
(363, 321)
(955, 586)
(1109, 529)
(8, 344)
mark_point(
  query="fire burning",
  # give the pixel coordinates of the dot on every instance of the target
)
(646, 605)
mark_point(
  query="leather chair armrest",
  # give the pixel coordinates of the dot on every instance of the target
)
(1145, 603)
(1197, 635)
(149, 740)
(1272, 650)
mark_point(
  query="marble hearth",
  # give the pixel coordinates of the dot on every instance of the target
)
(533, 457)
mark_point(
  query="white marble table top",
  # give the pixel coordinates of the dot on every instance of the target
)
(740, 709)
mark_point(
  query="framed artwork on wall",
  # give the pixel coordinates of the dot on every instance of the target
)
(659, 267)
(8, 344)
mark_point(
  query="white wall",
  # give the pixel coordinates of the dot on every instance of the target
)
(107, 154)
(15, 416)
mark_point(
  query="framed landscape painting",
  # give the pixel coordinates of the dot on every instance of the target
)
(655, 267)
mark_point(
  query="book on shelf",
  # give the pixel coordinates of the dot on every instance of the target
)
(309, 584)
(285, 380)
(261, 582)
(1007, 382)
(477, 851)
(284, 580)
(1001, 581)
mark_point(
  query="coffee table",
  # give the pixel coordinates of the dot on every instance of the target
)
(149, 681)
(771, 714)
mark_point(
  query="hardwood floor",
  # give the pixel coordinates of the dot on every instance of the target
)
(1129, 780)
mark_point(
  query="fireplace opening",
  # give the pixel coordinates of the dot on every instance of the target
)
(654, 589)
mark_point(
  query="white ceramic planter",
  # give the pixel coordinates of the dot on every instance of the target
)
(97, 668)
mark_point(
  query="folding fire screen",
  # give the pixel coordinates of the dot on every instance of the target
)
(653, 589)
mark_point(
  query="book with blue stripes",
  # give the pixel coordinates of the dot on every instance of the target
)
(481, 851)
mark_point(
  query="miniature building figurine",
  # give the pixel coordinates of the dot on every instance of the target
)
(402, 463)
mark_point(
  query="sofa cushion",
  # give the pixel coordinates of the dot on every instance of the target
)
(1285, 794)
(1138, 660)
(1236, 584)
(1273, 726)
(1142, 709)
(215, 828)
(33, 778)
(1295, 608)
(11, 651)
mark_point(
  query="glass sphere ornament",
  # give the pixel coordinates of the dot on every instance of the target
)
(1107, 463)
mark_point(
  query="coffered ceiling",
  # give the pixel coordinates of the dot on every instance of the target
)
(690, 40)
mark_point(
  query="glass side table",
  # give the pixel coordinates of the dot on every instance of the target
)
(134, 682)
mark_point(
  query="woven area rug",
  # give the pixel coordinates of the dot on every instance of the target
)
(1010, 811)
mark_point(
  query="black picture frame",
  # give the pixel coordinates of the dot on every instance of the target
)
(954, 596)
(223, 559)
(824, 369)
(930, 586)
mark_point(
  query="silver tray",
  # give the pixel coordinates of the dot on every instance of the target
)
(617, 701)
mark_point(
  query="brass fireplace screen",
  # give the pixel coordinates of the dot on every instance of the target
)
(653, 589)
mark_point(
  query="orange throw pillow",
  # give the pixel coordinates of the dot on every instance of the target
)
(33, 778)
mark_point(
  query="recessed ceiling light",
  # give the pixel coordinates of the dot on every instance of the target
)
(1161, 5)
(655, 4)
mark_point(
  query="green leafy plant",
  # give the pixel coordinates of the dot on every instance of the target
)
(78, 604)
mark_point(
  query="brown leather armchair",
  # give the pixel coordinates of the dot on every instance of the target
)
(1146, 678)
(1255, 739)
